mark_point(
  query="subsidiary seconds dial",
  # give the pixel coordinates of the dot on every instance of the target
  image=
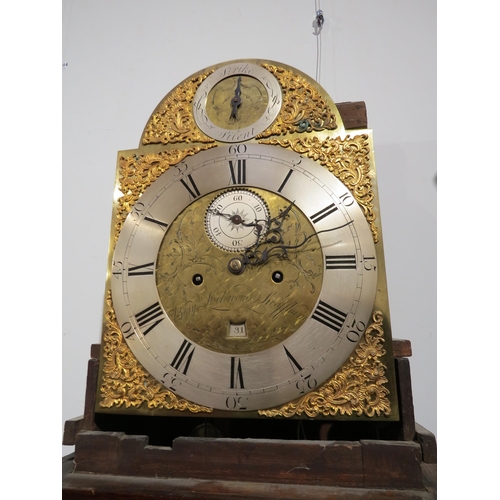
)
(236, 220)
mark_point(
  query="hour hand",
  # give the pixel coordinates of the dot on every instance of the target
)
(254, 256)
(236, 101)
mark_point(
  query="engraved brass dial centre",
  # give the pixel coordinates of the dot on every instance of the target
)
(267, 309)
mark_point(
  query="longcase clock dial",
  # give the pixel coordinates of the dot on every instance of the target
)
(246, 290)
(246, 274)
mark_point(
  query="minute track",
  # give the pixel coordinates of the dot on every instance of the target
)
(186, 321)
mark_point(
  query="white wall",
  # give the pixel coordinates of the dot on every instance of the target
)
(123, 56)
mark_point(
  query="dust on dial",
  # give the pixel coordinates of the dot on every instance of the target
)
(237, 219)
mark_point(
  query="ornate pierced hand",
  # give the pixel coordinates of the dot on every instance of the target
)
(254, 256)
(236, 101)
(237, 219)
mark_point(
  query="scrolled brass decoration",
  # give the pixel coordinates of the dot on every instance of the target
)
(173, 120)
(126, 383)
(136, 173)
(303, 109)
(358, 388)
(348, 159)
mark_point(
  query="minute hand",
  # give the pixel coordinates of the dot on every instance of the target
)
(254, 257)
(236, 101)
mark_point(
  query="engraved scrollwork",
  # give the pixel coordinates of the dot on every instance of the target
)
(173, 119)
(303, 108)
(136, 173)
(126, 383)
(271, 314)
(357, 389)
(348, 159)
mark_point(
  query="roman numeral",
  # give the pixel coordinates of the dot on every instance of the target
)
(156, 221)
(236, 374)
(329, 316)
(142, 270)
(238, 172)
(147, 317)
(340, 261)
(293, 362)
(183, 357)
(290, 172)
(191, 187)
(324, 213)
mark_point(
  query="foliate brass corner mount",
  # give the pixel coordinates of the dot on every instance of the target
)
(187, 164)
(357, 389)
(126, 383)
(348, 159)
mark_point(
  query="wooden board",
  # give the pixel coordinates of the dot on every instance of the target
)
(111, 465)
(115, 466)
(102, 487)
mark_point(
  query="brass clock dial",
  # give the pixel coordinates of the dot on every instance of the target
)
(245, 326)
(237, 102)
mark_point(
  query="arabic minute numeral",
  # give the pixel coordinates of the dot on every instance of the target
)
(180, 169)
(369, 263)
(235, 403)
(357, 329)
(170, 381)
(237, 149)
(136, 211)
(306, 384)
(117, 268)
(347, 199)
(127, 329)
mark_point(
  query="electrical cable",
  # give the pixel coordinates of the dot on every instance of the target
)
(318, 26)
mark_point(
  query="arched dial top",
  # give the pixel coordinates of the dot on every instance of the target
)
(261, 325)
